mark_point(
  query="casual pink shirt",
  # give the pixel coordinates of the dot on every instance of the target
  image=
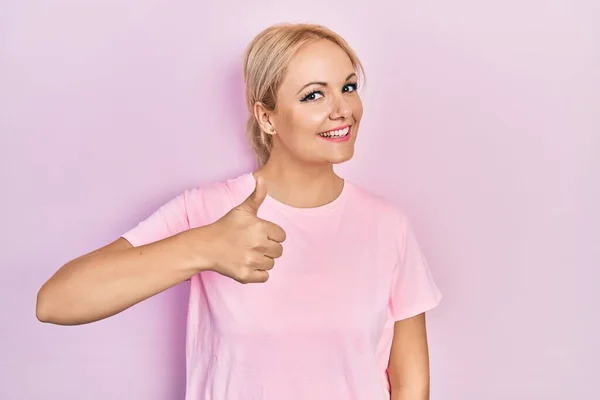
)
(321, 327)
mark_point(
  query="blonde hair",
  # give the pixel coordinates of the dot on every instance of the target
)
(265, 63)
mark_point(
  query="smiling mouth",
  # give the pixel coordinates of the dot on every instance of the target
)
(337, 133)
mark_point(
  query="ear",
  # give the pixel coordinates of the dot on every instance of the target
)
(264, 118)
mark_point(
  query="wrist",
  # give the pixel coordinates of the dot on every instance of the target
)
(198, 249)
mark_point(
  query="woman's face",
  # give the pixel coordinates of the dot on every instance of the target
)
(318, 107)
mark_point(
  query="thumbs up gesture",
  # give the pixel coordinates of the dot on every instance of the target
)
(246, 246)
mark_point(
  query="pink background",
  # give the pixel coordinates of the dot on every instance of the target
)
(482, 120)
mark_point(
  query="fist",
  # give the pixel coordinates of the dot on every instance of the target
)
(246, 246)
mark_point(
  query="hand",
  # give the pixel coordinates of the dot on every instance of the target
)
(244, 246)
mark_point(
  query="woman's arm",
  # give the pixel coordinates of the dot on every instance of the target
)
(115, 277)
(408, 368)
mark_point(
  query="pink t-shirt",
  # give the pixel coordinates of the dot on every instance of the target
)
(321, 327)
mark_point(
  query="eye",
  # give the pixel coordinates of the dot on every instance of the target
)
(350, 87)
(312, 96)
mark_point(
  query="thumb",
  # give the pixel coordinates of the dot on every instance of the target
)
(256, 198)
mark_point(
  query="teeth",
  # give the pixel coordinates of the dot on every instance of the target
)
(338, 133)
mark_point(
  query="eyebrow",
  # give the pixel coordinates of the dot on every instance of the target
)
(324, 83)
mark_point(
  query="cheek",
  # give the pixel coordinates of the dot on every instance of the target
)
(357, 109)
(312, 117)
(306, 120)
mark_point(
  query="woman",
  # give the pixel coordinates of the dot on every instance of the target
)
(303, 285)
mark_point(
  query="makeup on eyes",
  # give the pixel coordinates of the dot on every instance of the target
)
(312, 92)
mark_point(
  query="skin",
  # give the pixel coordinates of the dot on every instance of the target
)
(300, 173)
(241, 246)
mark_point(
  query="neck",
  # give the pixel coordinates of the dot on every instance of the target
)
(300, 184)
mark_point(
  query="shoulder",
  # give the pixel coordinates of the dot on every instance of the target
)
(376, 206)
(374, 201)
(211, 200)
(218, 190)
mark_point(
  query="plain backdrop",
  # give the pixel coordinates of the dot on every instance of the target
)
(482, 120)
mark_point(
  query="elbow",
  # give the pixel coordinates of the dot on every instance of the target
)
(416, 392)
(47, 309)
(43, 308)
(53, 308)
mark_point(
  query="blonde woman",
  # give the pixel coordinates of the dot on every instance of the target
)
(304, 286)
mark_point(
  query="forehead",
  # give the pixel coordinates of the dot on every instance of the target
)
(321, 60)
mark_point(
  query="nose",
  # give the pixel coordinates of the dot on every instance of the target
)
(341, 109)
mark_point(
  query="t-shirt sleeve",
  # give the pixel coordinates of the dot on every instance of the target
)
(414, 290)
(170, 219)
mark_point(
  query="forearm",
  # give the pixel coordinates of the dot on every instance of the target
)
(102, 284)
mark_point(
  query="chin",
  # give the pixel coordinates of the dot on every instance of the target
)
(341, 158)
(331, 158)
